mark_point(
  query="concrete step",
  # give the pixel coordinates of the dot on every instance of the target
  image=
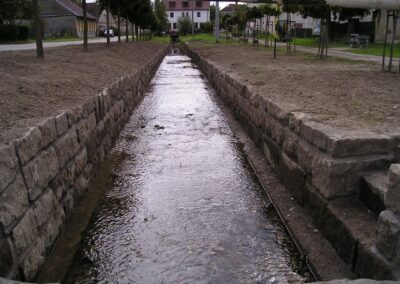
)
(373, 188)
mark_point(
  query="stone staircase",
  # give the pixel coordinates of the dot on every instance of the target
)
(372, 191)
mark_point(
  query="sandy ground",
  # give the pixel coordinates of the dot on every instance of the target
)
(31, 89)
(337, 92)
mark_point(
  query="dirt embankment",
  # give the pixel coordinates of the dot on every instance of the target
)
(32, 89)
(340, 93)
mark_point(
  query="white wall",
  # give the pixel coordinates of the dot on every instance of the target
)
(204, 17)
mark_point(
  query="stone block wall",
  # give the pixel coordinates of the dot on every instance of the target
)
(319, 164)
(46, 172)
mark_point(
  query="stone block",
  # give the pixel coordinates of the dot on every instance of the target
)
(14, 203)
(67, 146)
(75, 115)
(270, 150)
(357, 143)
(7, 257)
(25, 232)
(28, 145)
(388, 234)
(296, 120)
(52, 228)
(40, 171)
(340, 177)
(278, 113)
(370, 263)
(71, 172)
(81, 160)
(61, 123)
(48, 130)
(68, 203)
(277, 131)
(315, 204)
(33, 260)
(80, 187)
(44, 207)
(392, 199)
(60, 184)
(292, 176)
(8, 165)
(85, 128)
(315, 133)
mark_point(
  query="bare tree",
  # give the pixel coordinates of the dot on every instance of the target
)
(38, 29)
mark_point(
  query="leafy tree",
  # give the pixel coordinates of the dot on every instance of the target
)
(240, 16)
(161, 16)
(12, 10)
(184, 25)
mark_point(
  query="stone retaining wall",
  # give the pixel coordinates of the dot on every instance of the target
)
(46, 172)
(319, 164)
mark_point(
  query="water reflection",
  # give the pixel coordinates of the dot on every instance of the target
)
(185, 206)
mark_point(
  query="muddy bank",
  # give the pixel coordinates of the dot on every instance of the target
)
(31, 89)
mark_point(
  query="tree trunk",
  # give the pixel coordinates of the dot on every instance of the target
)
(38, 29)
(85, 27)
(119, 25)
(126, 30)
(108, 23)
(137, 32)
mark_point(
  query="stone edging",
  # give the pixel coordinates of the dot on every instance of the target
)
(320, 165)
(46, 171)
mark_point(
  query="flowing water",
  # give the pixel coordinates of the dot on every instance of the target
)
(185, 206)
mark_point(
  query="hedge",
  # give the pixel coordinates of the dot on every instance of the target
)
(13, 32)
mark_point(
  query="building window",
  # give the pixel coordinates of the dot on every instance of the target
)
(198, 4)
(185, 4)
(171, 4)
(171, 15)
(198, 14)
(174, 26)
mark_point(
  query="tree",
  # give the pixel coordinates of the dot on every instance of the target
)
(184, 25)
(240, 16)
(85, 27)
(161, 16)
(38, 29)
(12, 10)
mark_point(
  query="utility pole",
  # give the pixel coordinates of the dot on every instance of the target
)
(217, 22)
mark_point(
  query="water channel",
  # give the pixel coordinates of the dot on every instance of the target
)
(185, 205)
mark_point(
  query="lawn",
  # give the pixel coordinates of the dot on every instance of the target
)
(376, 49)
(208, 38)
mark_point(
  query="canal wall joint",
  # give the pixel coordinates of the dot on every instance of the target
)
(45, 173)
(324, 168)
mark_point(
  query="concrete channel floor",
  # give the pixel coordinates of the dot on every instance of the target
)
(184, 205)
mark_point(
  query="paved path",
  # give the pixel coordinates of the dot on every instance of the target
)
(30, 46)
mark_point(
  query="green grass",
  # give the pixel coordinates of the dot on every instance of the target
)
(61, 39)
(376, 49)
(206, 38)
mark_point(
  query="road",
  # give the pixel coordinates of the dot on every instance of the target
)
(30, 46)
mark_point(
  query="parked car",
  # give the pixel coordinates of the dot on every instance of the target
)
(111, 31)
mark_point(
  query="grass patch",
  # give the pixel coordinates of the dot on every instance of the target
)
(376, 49)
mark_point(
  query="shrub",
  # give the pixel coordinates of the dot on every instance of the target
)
(9, 32)
(13, 32)
(206, 27)
(24, 33)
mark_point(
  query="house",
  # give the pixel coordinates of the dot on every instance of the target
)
(197, 11)
(62, 17)
(229, 10)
